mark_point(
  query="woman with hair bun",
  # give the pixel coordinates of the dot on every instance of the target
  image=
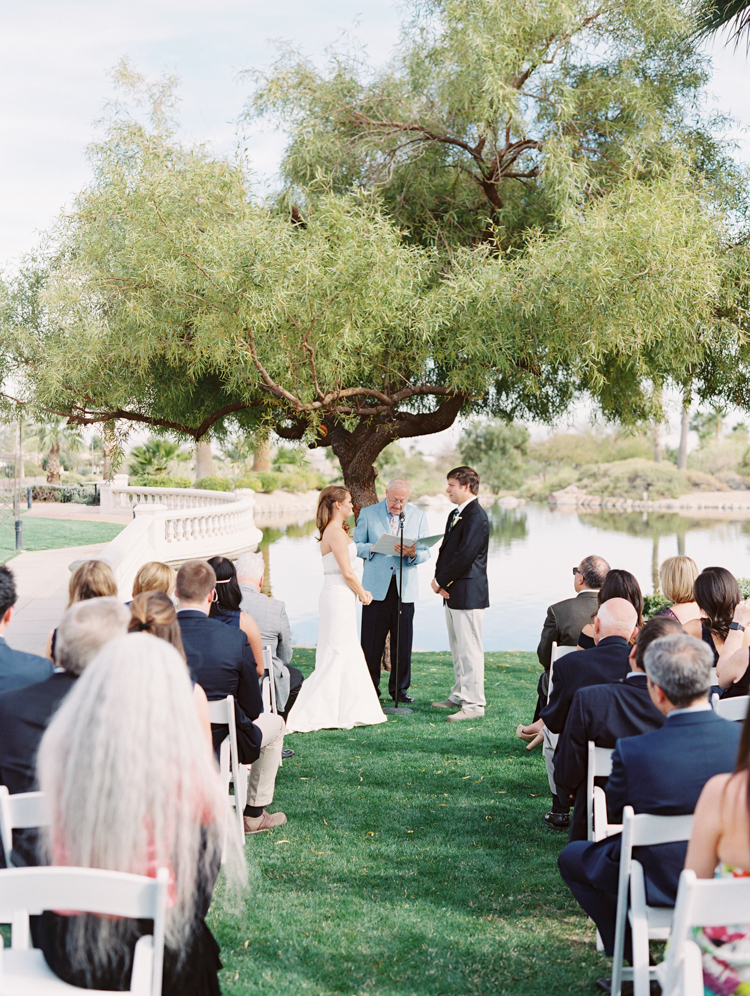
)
(718, 595)
(226, 607)
(131, 787)
(154, 612)
(339, 694)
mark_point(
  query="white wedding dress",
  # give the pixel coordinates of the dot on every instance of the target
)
(339, 694)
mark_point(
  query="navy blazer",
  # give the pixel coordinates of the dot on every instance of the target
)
(662, 772)
(222, 663)
(604, 714)
(24, 716)
(602, 664)
(18, 668)
(461, 567)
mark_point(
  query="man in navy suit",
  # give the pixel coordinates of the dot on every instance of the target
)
(221, 661)
(382, 577)
(461, 579)
(16, 667)
(25, 712)
(604, 714)
(661, 772)
(606, 662)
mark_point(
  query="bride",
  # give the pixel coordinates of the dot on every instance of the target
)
(339, 694)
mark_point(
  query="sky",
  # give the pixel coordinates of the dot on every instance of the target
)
(55, 57)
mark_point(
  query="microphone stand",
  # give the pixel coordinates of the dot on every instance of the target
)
(396, 709)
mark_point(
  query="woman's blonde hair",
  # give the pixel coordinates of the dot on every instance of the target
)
(91, 579)
(131, 786)
(677, 577)
(154, 612)
(155, 576)
(326, 500)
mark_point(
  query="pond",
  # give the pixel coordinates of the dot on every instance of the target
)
(533, 549)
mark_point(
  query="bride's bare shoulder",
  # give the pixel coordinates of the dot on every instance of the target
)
(332, 539)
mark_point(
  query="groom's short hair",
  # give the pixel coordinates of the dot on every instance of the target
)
(464, 476)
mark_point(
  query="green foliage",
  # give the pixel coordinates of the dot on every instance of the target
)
(155, 457)
(289, 456)
(654, 604)
(55, 534)
(630, 478)
(213, 483)
(76, 493)
(160, 481)
(302, 479)
(496, 450)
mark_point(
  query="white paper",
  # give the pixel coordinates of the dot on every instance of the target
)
(388, 541)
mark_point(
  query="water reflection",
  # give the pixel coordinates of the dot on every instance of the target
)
(532, 549)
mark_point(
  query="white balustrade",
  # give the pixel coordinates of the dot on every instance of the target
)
(173, 525)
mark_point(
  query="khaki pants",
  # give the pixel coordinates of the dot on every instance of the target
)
(465, 638)
(262, 777)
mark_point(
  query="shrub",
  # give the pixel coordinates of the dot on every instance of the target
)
(160, 481)
(213, 483)
(292, 479)
(630, 478)
(66, 493)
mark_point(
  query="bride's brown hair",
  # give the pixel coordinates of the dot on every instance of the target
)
(328, 497)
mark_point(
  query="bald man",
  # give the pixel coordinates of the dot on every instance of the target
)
(607, 661)
(381, 577)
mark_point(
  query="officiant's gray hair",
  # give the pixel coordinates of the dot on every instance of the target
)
(398, 480)
(250, 567)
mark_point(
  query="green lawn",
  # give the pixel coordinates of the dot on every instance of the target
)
(52, 534)
(414, 860)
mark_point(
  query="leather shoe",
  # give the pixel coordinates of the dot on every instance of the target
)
(266, 821)
(286, 753)
(558, 821)
(605, 985)
(404, 698)
(456, 716)
(444, 705)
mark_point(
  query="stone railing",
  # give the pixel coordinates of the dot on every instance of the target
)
(173, 525)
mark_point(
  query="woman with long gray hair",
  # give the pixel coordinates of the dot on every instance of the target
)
(132, 786)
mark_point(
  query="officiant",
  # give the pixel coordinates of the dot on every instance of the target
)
(381, 577)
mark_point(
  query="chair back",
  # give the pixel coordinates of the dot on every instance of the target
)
(29, 891)
(734, 708)
(19, 812)
(701, 903)
(714, 676)
(221, 712)
(599, 766)
(268, 686)
(555, 654)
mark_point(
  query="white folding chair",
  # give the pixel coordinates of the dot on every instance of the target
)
(714, 678)
(734, 708)
(599, 766)
(646, 922)
(30, 891)
(221, 712)
(268, 686)
(19, 812)
(701, 902)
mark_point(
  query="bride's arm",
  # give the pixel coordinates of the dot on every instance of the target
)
(339, 543)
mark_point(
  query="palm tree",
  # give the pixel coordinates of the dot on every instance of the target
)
(155, 456)
(713, 15)
(53, 436)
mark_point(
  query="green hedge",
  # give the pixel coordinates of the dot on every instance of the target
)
(213, 483)
(159, 481)
(293, 479)
(65, 493)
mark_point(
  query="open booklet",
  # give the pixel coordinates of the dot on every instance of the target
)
(387, 542)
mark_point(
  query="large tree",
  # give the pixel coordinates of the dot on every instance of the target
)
(168, 297)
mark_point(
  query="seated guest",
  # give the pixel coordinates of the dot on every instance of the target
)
(607, 661)
(617, 584)
(718, 595)
(155, 576)
(132, 787)
(733, 667)
(661, 772)
(721, 837)
(226, 606)
(222, 662)
(25, 712)
(16, 667)
(604, 714)
(677, 577)
(91, 579)
(273, 623)
(153, 612)
(566, 619)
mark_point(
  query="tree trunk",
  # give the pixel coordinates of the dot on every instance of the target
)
(266, 589)
(108, 449)
(684, 430)
(262, 456)
(53, 465)
(204, 458)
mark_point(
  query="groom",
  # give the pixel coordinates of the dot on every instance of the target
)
(381, 577)
(461, 578)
